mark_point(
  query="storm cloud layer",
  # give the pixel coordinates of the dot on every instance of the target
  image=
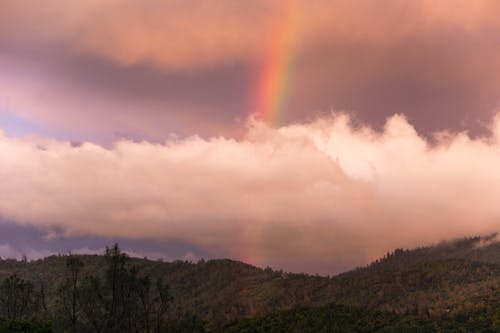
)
(102, 70)
(298, 197)
(193, 33)
(126, 120)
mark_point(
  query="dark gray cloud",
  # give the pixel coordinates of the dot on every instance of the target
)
(17, 240)
(76, 92)
(443, 81)
(435, 64)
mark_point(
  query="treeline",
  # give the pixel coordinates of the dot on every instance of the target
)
(405, 291)
(332, 318)
(120, 300)
(345, 319)
(23, 307)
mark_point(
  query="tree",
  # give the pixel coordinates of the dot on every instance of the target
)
(121, 300)
(162, 301)
(17, 298)
(69, 293)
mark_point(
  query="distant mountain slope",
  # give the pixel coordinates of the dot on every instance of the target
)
(450, 279)
(481, 249)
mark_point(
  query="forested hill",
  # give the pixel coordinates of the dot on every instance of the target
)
(455, 282)
(482, 249)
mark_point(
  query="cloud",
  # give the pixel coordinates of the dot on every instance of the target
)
(80, 99)
(98, 70)
(7, 251)
(151, 255)
(193, 33)
(302, 197)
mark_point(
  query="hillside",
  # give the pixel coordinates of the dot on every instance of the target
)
(458, 279)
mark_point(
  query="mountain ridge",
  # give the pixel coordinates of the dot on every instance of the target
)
(447, 280)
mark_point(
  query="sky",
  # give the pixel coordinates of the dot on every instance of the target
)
(310, 136)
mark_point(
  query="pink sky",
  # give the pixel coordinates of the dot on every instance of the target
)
(133, 119)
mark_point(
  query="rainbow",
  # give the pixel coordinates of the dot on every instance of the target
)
(271, 93)
(272, 86)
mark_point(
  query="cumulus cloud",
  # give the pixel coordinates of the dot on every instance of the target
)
(194, 33)
(305, 195)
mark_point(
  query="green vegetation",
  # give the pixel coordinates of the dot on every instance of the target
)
(341, 318)
(451, 287)
(332, 318)
(118, 299)
(25, 326)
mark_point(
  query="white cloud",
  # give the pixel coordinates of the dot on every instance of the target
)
(7, 251)
(313, 193)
